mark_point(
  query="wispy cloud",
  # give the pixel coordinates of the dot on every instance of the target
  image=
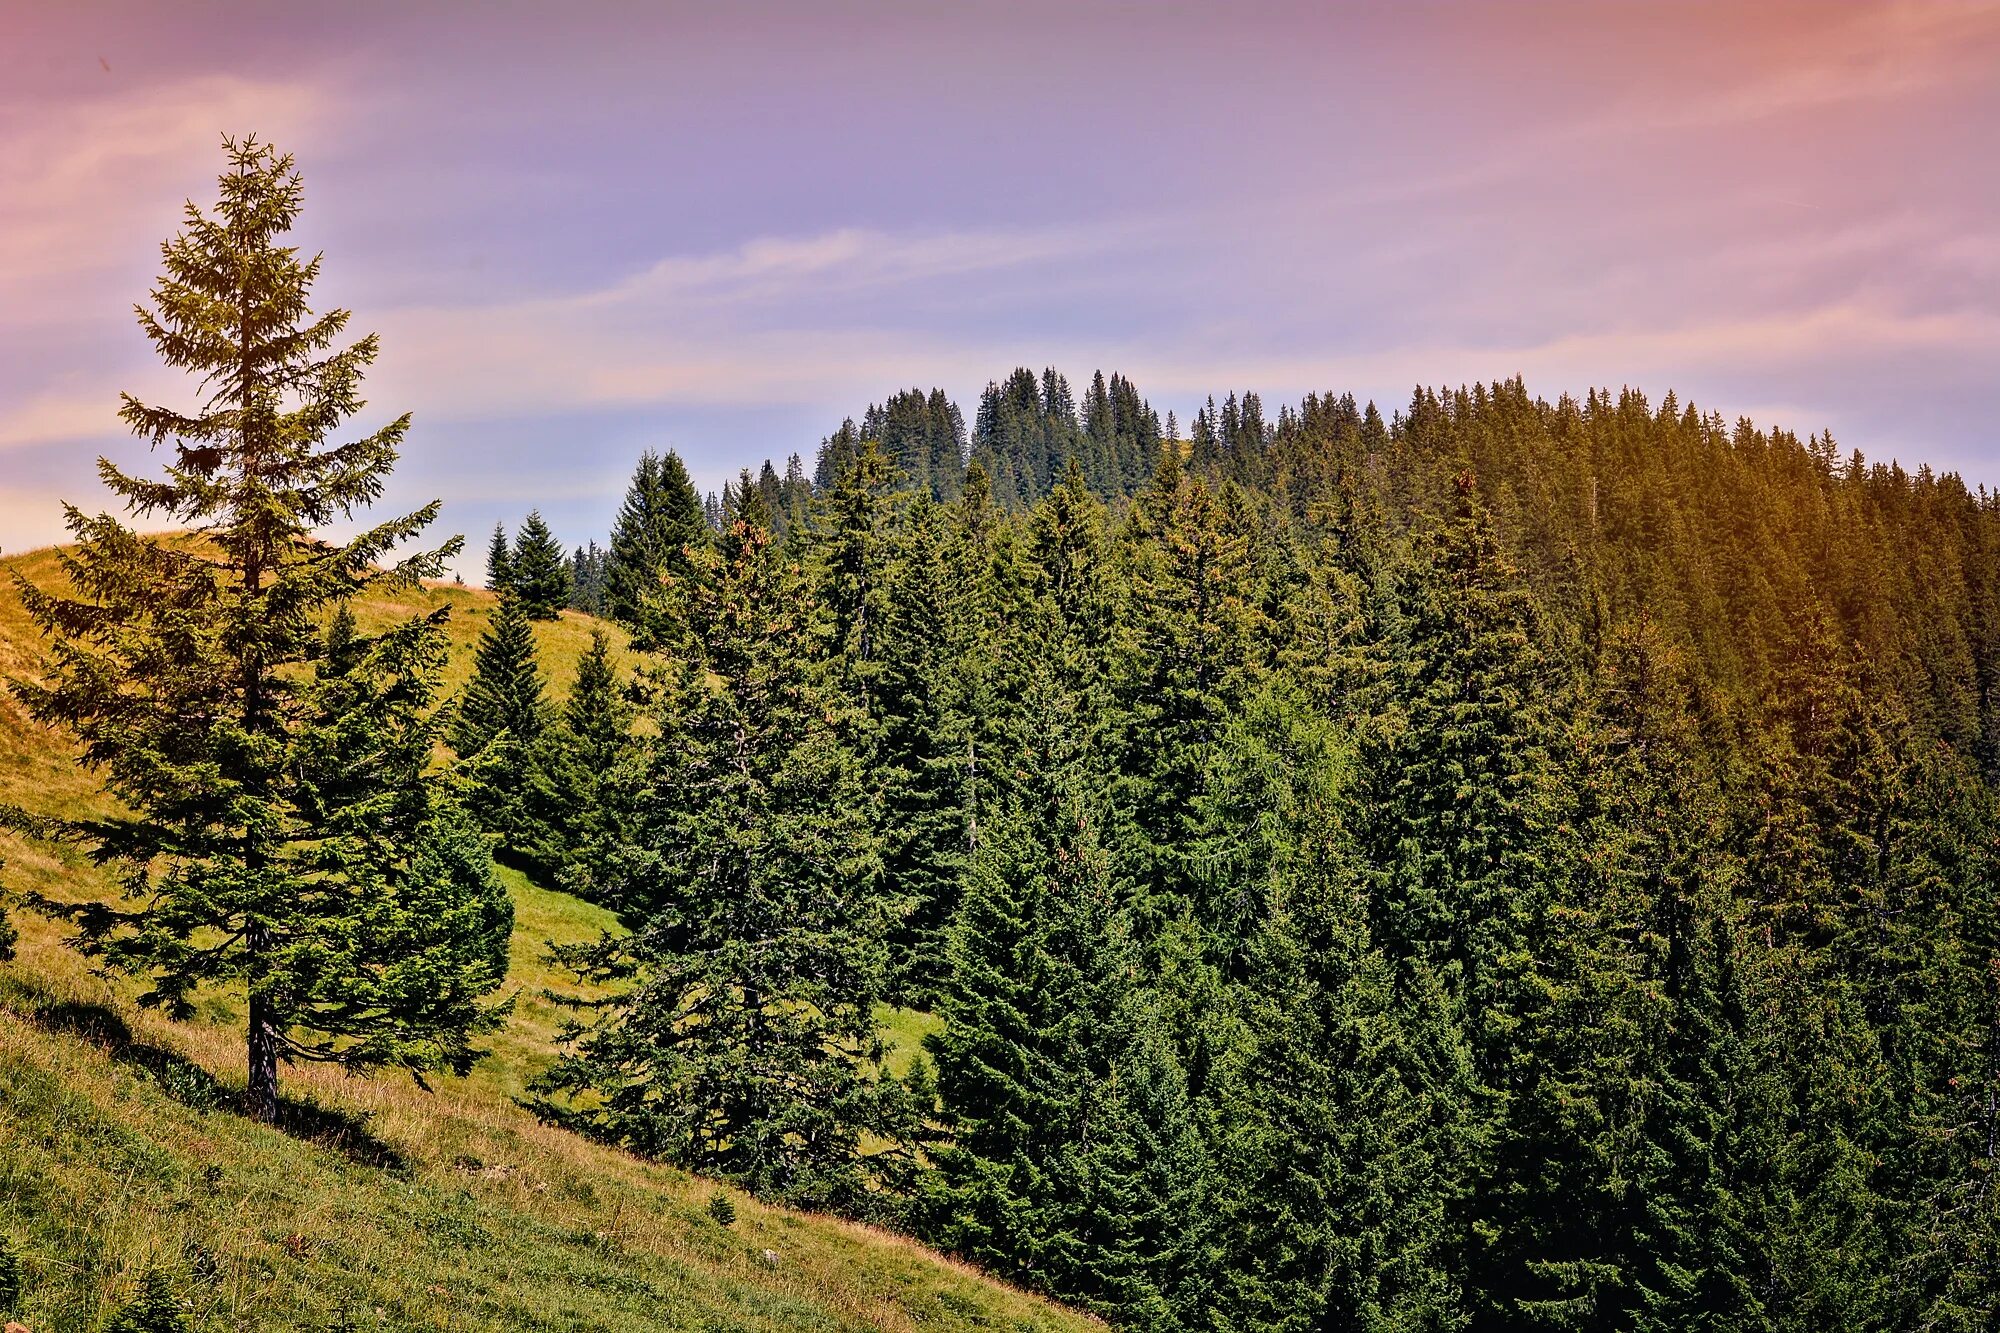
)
(776, 320)
(846, 261)
(709, 329)
(53, 417)
(69, 178)
(1738, 79)
(1857, 54)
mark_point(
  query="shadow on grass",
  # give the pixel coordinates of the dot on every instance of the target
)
(188, 1083)
(344, 1132)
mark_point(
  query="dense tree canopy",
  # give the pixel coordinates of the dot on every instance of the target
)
(1504, 865)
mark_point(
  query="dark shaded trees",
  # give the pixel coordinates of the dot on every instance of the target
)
(922, 436)
(1333, 1148)
(940, 745)
(586, 579)
(740, 1044)
(499, 560)
(572, 814)
(1071, 1159)
(1501, 864)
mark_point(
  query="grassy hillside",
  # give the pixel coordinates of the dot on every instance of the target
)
(377, 1203)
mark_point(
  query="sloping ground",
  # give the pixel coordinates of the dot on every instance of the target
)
(378, 1205)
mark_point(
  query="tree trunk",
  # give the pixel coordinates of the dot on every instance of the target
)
(262, 1092)
(262, 1099)
(263, 1096)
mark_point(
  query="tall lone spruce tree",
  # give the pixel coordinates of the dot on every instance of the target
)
(284, 833)
(505, 693)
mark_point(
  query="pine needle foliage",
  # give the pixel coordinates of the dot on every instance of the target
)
(154, 1309)
(660, 517)
(285, 834)
(741, 1039)
(538, 573)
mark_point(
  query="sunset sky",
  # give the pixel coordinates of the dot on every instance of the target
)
(586, 229)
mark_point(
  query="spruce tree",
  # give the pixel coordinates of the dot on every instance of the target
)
(1549, 1210)
(499, 722)
(1922, 953)
(660, 517)
(331, 884)
(539, 576)
(950, 719)
(570, 816)
(505, 692)
(1073, 590)
(927, 751)
(499, 561)
(1330, 1152)
(1457, 780)
(1069, 1145)
(835, 456)
(855, 519)
(427, 929)
(1459, 777)
(1191, 654)
(586, 579)
(743, 1041)
(1653, 817)
(594, 714)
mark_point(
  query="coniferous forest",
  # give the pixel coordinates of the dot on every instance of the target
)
(1481, 862)
(1509, 865)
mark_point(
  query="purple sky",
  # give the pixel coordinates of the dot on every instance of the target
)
(586, 229)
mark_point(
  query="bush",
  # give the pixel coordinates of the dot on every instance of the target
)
(153, 1310)
(722, 1208)
(191, 1085)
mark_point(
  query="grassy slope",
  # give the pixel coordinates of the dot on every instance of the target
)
(405, 1209)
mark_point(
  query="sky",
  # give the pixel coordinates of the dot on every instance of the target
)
(586, 229)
